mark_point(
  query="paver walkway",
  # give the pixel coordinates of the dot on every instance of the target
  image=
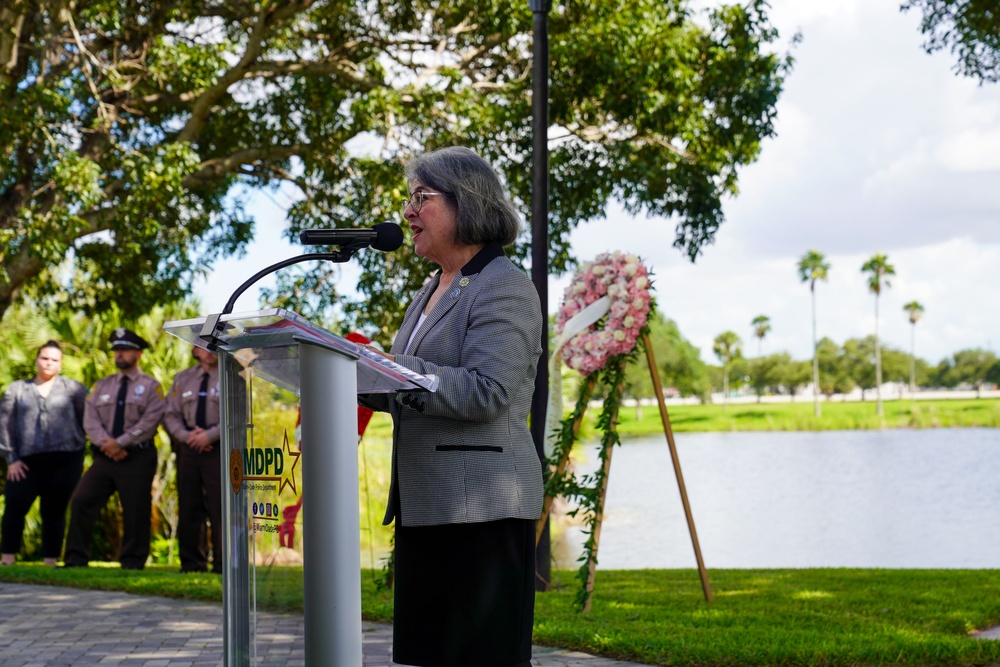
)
(47, 626)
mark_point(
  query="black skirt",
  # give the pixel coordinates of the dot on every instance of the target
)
(464, 594)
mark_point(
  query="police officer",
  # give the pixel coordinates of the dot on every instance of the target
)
(192, 420)
(120, 417)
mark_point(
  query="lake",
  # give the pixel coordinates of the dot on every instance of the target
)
(871, 499)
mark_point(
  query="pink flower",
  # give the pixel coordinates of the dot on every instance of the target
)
(623, 278)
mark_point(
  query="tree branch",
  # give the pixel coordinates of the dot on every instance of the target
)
(213, 170)
(619, 133)
(208, 99)
(11, 34)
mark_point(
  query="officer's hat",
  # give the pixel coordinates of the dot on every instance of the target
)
(126, 339)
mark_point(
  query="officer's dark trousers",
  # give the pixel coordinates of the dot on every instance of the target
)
(53, 476)
(133, 480)
(199, 494)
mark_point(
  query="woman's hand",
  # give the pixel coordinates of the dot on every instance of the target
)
(17, 471)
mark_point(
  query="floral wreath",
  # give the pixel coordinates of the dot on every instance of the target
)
(622, 282)
(604, 313)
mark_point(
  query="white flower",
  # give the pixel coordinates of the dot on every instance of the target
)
(619, 335)
(628, 321)
(642, 282)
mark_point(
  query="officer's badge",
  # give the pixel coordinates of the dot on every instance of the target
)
(139, 390)
(120, 332)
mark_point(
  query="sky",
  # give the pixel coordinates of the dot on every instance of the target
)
(880, 147)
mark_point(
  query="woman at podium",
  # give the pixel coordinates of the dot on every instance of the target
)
(466, 483)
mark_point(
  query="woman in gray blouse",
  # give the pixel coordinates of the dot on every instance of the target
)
(41, 436)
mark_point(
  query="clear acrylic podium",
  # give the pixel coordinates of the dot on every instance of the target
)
(326, 372)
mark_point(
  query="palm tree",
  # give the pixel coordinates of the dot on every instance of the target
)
(879, 268)
(761, 325)
(915, 309)
(726, 346)
(813, 267)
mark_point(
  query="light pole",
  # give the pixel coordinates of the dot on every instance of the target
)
(540, 248)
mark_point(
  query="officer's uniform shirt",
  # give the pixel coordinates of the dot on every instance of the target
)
(182, 404)
(144, 408)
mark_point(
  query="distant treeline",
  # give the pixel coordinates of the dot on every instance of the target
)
(842, 368)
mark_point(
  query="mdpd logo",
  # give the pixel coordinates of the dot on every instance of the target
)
(264, 464)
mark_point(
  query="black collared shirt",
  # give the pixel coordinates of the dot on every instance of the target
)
(489, 252)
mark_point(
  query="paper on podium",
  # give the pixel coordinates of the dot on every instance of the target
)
(267, 341)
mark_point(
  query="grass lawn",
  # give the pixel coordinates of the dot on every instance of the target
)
(759, 617)
(798, 416)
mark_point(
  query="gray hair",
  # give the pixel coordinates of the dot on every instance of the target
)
(484, 212)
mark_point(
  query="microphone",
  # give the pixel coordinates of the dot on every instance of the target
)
(385, 236)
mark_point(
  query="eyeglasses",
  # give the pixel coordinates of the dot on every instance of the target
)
(417, 199)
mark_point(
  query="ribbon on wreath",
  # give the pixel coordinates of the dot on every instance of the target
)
(576, 324)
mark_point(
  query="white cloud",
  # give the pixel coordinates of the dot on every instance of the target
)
(972, 150)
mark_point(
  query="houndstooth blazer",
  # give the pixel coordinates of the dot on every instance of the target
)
(464, 454)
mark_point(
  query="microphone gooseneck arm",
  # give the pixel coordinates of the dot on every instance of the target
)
(213, 323)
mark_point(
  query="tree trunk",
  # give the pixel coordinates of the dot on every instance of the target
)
(878, 365)
(18, 269)
(725, 385)
(816, 409)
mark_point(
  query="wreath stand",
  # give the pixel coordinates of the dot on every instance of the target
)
(558, 472)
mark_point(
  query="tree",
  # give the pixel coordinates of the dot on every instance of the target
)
(812, 267)
(970, 29)
(761, 325)
(915, 310)
(133, 132)
(768, 372)
(857, 361)
(879, 268)
(679, 362)
(973, 367)
(726, 347)
(793, 374)
(896, 367)
(834, 376)
(825, 366)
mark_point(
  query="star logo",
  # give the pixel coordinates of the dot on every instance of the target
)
(293, 456)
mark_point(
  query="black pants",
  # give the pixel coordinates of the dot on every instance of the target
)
(199, 497)
(464, 594)
(51, 476)
(132, 479)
